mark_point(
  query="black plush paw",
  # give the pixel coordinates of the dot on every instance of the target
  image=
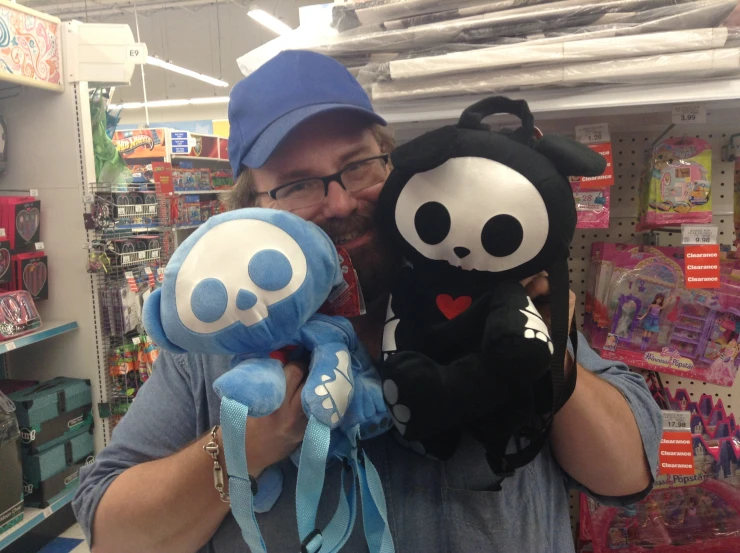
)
(516, 336)
(416, 397)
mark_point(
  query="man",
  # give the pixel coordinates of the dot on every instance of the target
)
(300, 117)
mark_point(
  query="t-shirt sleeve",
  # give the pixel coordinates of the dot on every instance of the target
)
(646, 411)
(160, 422)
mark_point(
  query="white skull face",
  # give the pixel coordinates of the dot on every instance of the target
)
(474, 213)
(222, 282)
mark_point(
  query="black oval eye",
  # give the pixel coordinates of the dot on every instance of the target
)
(502, 235)
(432, 222)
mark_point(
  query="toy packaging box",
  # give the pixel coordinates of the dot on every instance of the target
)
(677, 184)
(639, 311)
(20, 216)
(694, 512)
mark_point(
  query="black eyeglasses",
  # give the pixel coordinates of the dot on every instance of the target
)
(355, 177)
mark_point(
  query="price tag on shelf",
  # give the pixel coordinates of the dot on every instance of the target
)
(126, 259)
(10, 346)
(676, 420)
(136, 340)
(139, 209)
(692, 235)
(148, 270)
(34, 192)
(39, 246)
(48, 512)
(689, 114)
(593, 134)
(2, 233)
(142, 255)
(155, 254)
(152, 209)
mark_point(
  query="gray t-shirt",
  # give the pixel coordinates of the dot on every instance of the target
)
(433, 506)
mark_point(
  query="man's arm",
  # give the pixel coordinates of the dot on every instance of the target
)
(606, 436)
(596, 440)
(154, 478)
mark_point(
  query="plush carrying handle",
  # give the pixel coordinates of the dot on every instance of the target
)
(473, 116)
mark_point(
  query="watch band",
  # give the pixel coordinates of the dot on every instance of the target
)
(213, 449)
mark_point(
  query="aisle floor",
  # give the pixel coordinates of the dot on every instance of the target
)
(70, 541)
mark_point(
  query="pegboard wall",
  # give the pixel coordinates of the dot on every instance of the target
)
(629, 160)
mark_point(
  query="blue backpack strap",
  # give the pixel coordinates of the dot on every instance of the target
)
(234, 430)
(374, 510)
(310, 484)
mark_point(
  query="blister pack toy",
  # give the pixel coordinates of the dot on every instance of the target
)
(639, 311)
(677, 184)
(592, 206)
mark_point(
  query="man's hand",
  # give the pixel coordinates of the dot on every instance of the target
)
(538, 288)
(272, 438)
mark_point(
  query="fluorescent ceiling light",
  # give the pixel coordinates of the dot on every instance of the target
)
(172, 103)
(269, 21)
(151, 60)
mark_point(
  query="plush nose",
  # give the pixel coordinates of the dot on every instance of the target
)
(461, 252)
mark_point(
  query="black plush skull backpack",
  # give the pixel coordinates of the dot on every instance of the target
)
(464, 349)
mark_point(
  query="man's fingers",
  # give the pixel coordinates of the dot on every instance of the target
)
(538, 286)
(293, 378)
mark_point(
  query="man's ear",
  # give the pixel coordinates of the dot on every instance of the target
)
(571, 158)
(425, 152)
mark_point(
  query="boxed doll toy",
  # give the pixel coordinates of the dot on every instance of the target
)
(639, 311)
(691, 512)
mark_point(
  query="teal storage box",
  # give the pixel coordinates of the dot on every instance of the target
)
(11, 481)
(48, 400)
(57, 430)
(44, 465)
(56, 487)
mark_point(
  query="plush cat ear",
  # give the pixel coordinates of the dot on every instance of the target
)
(427, 151)
(153, 322)
(571, 158)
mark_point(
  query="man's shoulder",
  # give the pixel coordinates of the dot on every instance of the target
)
(198, 366)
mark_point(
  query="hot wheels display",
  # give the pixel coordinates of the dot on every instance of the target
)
(639, 311)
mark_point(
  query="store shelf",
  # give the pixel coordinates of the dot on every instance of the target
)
(191, 192)
(577, 101)
(186, 227)
(32, 518)
(197, 158)
(47, 330)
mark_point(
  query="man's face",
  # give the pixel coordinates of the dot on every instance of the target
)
(321, 146)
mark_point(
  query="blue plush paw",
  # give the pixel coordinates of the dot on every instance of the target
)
(329, 387)
(368, 408)
(257, 383)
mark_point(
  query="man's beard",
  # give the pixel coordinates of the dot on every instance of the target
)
(374, 261)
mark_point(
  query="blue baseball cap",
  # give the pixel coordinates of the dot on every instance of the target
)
(293, 86)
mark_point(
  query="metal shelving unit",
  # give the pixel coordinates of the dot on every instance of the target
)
(34, 517)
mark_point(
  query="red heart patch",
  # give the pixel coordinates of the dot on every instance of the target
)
(451, 308)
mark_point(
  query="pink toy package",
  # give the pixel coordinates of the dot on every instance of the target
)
(639, 311)
(592, 206)
(692, 513)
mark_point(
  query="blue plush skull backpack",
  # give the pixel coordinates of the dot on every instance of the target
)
(248, 283)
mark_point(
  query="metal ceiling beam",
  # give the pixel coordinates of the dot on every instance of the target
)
(78, 9)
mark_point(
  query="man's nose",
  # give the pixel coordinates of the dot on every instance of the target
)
(338, 202)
